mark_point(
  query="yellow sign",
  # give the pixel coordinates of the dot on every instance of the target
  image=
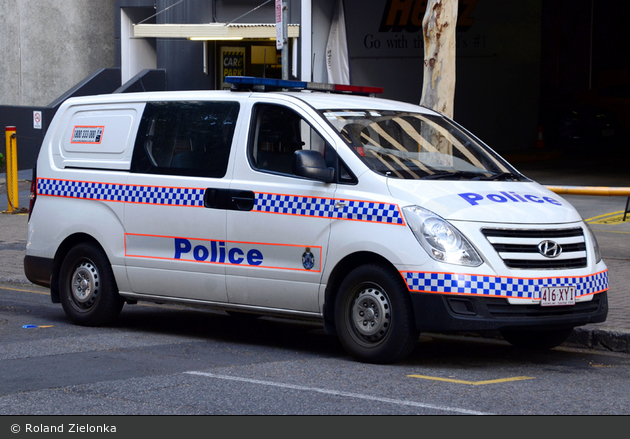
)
(232, 63)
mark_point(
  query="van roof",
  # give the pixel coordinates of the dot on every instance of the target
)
(317, 100)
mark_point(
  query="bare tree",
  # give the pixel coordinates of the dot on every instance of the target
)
(438, 26)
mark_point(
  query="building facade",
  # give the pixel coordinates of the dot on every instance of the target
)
(515, 60)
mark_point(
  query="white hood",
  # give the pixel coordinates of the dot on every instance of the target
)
(486, 201)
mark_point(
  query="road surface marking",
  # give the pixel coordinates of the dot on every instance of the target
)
(24, 291)
(607, 218)
(340, 393)
(472, 383)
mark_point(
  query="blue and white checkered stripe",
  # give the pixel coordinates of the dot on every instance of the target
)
(325, 208)
(293, 205)
(168, 196)
(271, 203)
(494, 286)
(369, 211)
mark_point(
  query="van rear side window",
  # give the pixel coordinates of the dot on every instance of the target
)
(185, 138)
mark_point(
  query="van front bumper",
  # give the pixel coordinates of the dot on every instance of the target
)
(451, 313)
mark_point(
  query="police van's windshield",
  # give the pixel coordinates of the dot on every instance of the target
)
(418, 146)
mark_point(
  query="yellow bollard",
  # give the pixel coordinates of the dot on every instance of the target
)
(12, 172)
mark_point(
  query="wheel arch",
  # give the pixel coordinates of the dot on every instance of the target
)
(60, 254)
(341, 270)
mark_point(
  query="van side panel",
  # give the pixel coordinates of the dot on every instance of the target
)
(76, 204)
(96, 136)
(82, 171)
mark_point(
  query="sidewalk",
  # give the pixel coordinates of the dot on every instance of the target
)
(614, 239)
(24, 182)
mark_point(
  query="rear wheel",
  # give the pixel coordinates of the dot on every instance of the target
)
(87, 287)
(536, 338)
(374, 316)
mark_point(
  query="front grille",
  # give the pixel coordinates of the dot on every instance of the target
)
(518, 248)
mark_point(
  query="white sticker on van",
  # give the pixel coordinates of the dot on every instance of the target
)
(87, 134)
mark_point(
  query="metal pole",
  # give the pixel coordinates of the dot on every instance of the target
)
(590, 54)
(285, 39)
(306, 49)
(12, 180)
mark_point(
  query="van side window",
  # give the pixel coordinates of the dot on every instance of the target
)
(185, 138)
(277, 132)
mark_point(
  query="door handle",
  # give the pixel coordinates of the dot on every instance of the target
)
(229, 199)
(243, 200)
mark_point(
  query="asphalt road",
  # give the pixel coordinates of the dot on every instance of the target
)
(173, 360)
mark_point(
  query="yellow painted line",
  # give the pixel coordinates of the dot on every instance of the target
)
(472, 383)
(46, 326)
(610, 220)
(605, 215)
(600, 365)
(615, 219)
(24, 291)
(607, 218)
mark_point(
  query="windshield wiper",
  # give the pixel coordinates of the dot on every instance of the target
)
(445, 175)
(475, 176)
(503, 176)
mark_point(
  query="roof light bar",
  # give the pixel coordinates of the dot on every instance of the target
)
(252, 83)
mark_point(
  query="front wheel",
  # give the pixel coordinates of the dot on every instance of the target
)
(374, 315)
(87, 287)
(541, 339)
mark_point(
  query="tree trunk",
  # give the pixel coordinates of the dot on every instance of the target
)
(438, 26)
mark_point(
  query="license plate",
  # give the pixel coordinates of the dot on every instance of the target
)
(557, 296)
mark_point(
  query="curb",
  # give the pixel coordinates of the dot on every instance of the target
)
(604, 338)
(610, 339)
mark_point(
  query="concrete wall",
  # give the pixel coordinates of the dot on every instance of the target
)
(48, 46)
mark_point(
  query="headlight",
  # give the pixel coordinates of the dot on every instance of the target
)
(598, 254)
(439, 238)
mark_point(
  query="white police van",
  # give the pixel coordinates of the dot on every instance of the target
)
(379, 218)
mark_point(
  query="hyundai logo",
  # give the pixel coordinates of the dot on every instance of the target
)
(549, 249)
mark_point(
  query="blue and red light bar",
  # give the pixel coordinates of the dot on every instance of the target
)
(269, 84)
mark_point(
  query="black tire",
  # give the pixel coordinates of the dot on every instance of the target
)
(540, 339)
(374, 315)
(87, 287)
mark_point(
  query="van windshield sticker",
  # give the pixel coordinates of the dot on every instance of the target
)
(506, 197)
(87, 134)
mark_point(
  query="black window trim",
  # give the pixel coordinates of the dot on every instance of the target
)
(252, 139)
(142, 135)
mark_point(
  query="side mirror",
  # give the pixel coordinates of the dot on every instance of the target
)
(311, 164)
